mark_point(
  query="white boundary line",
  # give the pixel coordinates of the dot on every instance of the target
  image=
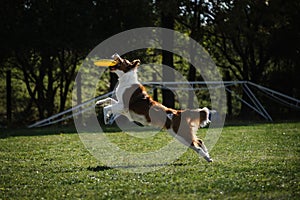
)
(258, 107)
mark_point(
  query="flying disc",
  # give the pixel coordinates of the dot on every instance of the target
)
(105, 63)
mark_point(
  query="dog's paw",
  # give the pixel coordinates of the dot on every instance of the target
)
(109, 119)
(208, 159)
(100, 103)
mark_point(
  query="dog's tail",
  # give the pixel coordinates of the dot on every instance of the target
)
(204, 116)
(201, 116)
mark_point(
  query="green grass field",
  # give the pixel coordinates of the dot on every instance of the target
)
(250, 162)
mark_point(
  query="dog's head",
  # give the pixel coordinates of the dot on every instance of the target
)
(123, 65)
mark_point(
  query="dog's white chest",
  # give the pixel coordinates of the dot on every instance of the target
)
(120, 92)
(126, 81)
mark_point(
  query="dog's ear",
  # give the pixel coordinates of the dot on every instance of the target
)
(136, 63)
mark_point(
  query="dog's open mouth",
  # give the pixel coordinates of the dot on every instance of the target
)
(114, 67)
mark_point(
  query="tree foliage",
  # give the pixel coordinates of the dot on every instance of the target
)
(44, 41)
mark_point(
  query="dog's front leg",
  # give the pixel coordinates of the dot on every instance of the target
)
(107, 110)
(111, 112)
(107, 114)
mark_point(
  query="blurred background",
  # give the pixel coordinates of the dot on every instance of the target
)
(43, 43)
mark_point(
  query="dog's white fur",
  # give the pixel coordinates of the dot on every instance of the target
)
(117, 107)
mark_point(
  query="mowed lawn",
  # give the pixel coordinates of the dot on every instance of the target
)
(259, 161)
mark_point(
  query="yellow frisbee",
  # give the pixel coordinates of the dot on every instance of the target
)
(105, 63)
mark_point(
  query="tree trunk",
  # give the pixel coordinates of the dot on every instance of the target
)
(192, 77)
(228, 96)
(8, 97)
(167, 20)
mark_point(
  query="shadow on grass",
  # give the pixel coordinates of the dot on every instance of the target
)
(104, 168)
(235, 123)
(71, 129)
(51, 130)
(68, 129)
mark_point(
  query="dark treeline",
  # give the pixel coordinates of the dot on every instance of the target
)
(44, 41)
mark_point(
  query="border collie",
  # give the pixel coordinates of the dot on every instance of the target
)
(133, 101)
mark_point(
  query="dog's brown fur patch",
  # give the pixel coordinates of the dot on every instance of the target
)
(184, 123)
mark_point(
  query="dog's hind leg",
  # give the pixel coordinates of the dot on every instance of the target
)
(202, 153)
(201, 149)
(205, 155)
(202, 145)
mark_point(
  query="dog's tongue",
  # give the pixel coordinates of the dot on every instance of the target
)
(112, 68)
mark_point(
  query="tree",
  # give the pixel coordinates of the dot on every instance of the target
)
(285, 47)
(46, 40)
(37, 37)
(244, 36)
(167, 11)
(193, 17)
(241, 40)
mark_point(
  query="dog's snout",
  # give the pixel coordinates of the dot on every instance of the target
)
(115, 56)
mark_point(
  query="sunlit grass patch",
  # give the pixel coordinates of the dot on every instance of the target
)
(250, 162)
